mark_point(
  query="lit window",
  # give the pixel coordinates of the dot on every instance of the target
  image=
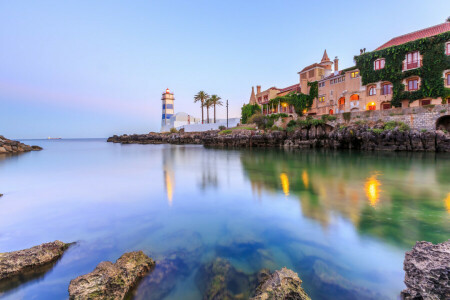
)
(378, 64)
(322, 99)
(386, 89)
(372, 91)
(354, 74)
(413, 84)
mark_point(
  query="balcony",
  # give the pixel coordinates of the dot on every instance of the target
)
(411, 65)
(354, 104)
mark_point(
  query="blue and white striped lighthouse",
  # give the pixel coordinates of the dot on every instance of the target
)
(167, 108)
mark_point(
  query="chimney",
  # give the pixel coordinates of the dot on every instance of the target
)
(336, 64)
(258, 89)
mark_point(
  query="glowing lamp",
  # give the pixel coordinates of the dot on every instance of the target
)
(284, 104)
(167, 91)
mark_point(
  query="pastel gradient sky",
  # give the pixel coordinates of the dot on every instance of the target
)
(96, 68)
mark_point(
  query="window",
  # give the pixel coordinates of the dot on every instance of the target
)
(266, 98)
(166, 116)
(386, 106)
(354, 74)
(372, 91)
(311, 73)
(448, 78)
(322, 84)
(447, 48)
(331, 112)
(378, 64)
(167, 106)
(426, 102)
(386, 89)
(413, 84)
(354, 97)
(341, 101)
(303, 76)
(322, 99)
(331, 93)
(412, 60)
(259, 99)
(371, 106)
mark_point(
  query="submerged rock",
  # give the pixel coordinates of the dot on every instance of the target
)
(283, 284)
(112, 281)
(220, 280)
(427, 271)
(17, 262)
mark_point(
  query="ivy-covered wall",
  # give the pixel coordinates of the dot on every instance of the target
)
(299, 101)
(435, 61)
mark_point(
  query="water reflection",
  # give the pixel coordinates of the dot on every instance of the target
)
(284, 183)
(349, 184)
(373, 189)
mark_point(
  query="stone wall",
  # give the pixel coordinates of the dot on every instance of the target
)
(423, 117)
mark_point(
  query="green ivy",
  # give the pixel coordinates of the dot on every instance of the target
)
(435, 61)
(299, 101)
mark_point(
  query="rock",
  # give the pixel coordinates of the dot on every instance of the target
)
(427, 271)
(112, 281)
(9, 146)
(351, 136)
(17, 262)
(1, 195)
(219, 280)
(283, 284)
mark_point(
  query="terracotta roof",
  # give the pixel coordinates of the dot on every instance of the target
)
(290, 88)
(325, 56)
(420, 34)
(310, 67)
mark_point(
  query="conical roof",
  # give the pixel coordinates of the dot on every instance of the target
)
(325, 56)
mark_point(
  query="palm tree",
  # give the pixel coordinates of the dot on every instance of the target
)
(202, 97)
(215, 100)
(208, 104)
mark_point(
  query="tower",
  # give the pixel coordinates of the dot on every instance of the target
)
(167, 108)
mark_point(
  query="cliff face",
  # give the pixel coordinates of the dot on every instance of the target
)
(9, 146)
(360, 137)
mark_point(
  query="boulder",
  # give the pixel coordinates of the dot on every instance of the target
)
(427, 271)
(283, 284)
(10, 146)
(17, 262)
(112, 281)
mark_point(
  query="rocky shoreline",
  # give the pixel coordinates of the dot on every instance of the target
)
(427, 275)
(352, 136)
(10, 146)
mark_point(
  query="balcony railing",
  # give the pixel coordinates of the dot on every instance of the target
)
(408, 65)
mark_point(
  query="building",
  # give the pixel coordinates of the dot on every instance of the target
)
(379, 80)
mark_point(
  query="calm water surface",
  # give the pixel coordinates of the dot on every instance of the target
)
(341, 220)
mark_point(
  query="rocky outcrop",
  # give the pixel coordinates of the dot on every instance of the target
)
(353, 136)
(283, 284)
(112, 281)
(9, 146)
(17, 262)
(427, 271)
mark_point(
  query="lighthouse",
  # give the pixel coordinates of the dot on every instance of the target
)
(167, 108)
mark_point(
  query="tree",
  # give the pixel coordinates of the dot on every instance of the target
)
(208, 104)
(201, 97)
(215, 100)
(249, 110)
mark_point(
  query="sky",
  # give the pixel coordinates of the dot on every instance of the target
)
(79, 69)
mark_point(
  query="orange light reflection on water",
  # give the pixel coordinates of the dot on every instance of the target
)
(284, 183)
(372, 188)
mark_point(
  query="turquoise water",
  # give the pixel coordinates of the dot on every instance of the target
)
(341, 220)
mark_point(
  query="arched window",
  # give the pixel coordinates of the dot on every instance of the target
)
(412, 84)
(354, 97)
(342, 101)
(447, 78)
(371, 106)
(331, 112)
(386, 88)
(386, 105)
(371, 90)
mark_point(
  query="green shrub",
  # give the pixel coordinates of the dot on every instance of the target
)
(291, 128)
(377, 130)
(257, 119)
(291, 123)
(442, 111)
(303, 123)
(424, 130)
(276, 128)
(347, 116)
(221, 127)
(317, 122)
(269, 123)
(249, 110)
(173, 130)
(332, 118)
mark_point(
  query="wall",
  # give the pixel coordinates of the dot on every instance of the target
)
(232, 122)
(416, 117)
